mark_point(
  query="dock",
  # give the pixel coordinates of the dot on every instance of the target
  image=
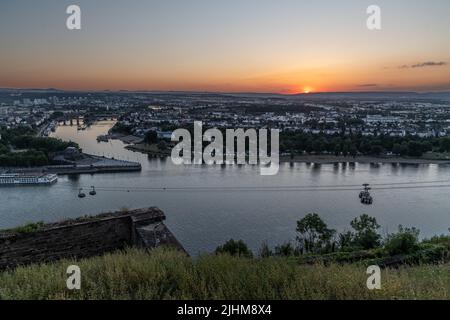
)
(72, 161)
(89, 165)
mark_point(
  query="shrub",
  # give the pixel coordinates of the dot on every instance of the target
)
(285, 250)
(151, 137)
(442, 239)
(403, 242)
(235, 248)
(28, 228)
(366, 232)
(264, 251)
(346, 240)
(314, 236)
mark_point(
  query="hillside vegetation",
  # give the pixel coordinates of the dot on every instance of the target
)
(19, 147)
(168, 274)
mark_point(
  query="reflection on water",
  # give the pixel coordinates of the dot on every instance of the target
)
(206, 206)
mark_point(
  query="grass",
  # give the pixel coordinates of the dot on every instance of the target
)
(27, 228)
(168, 274)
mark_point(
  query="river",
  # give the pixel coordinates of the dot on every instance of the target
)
(207, 205)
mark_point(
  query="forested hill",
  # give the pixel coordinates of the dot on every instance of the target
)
(19, 147)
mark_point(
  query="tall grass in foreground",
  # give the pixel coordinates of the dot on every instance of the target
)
(167, 274)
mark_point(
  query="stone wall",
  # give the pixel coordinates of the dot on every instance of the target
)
(85, 237)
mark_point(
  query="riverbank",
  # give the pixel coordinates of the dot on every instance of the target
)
(149, 149)
(137, 145)
(127, 139)
(331, 159)
(316, 159)
(90, 164)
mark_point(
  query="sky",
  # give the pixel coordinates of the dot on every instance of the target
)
(280, 46)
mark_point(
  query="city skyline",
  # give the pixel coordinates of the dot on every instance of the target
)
(283, 47)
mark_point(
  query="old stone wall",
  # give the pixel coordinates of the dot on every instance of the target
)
(83, 238)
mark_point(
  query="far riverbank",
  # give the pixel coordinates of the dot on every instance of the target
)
(136, 144)
(331, 159)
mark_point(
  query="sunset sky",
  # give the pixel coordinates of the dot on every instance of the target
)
(282, 46)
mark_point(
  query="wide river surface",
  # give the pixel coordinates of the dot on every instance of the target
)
(207, 205)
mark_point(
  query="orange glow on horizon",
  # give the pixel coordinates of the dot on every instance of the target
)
(327, 78)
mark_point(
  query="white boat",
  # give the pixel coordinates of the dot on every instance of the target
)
(27, 179)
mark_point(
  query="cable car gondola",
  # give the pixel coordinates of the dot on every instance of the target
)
(93, 192)
(365, 195)
(81, 194)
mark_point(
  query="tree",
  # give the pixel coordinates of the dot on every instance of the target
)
(353, 151)
(162, 145)
(345, 149)
(366, 232)
(313, 234)
(264, 251)
(403, 242)
(3, 149)
(285, 250)
(400, 149)
(346, 240)
(445, 144)
(397, 149)
(365, 147)
(57, 114)
(337, 150)
(415, 149)
(235, 248)
(151, 137)
(376, 150)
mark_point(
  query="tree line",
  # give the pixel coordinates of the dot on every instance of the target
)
(299, 142)
(30, 150)
(314, 237)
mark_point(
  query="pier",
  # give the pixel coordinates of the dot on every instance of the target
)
(102, 166)
(72, 161)
(88, 165)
